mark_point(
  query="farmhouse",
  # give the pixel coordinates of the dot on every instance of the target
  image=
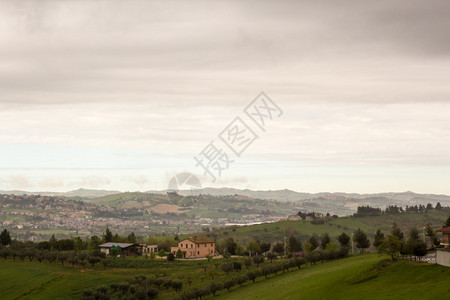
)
(146, 249)
(443, 254)
(124, 249)
(195, 247)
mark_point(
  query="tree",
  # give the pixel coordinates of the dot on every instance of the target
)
(176, 285)
(447, 222)
(93, 260)
(324, 241)
(390, 246)
(94, 242)
(361, 240)
(114, 252)
(344, 239)
(258, 260)
(265, 247)
(229, 283)
(53, 242)
(429, 206)
(414, 234)
(237, 266)
(5, 237)
(438, 206)
(379, 237)
(420, 249)
(152, 293)
(108, 235)
(253, 247)
(105, 262)
(279, 248)
(429, 232)
(230, 246)
(294, 245)
(271, 256)
(170, 257)
(214, 288)
(227, 268)
(62, 257)
(252, 276)
(397, 232)
(179, 254)
(131, 238)
(312, 244)
(82, 257)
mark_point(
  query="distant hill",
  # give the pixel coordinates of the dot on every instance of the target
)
(289, 195)
(338, 203)
(75, 193)
(131, 200)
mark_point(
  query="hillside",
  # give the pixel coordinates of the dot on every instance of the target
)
(333, 226)
(336, 203)
(358, 277)
(129, 200)
(87, 193)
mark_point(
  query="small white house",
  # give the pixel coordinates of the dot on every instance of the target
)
(147, 249)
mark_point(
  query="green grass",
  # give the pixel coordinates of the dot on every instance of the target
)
(353, 278)
(33, 280)
(363, 276)
(333, 226)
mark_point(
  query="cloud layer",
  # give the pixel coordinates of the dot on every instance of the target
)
(120, 95)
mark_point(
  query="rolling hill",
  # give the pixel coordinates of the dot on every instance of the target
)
(357, 277)
(333, 226)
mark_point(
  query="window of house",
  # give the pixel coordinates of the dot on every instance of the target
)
(181, 246)
(198, 252)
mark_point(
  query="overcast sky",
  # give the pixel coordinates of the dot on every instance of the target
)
(121, 95)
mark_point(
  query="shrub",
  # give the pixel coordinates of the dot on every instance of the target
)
(237, 266)
(214, 288)
(176, 285)
(229, 283)
(258, 260)
(152, 293)
(227, 268)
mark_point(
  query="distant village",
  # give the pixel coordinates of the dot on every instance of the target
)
(35, 217)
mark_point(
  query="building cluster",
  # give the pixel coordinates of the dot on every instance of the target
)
(36, 217)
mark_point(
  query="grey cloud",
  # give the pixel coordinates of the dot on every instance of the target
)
(103, 51)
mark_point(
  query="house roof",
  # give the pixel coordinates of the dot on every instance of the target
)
(445, 230)
(121, 245)
(200, 240)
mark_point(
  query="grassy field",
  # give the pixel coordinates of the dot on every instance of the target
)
(352, 278)
(333, 226)
(33, 280)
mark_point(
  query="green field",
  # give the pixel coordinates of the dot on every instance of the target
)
(352, 278)
(367, 276)
(33, 280)
(333, 226)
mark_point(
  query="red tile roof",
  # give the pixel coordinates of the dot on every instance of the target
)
(445, 230)
(201, 240)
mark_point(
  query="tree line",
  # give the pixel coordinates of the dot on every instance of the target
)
(367, 210)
